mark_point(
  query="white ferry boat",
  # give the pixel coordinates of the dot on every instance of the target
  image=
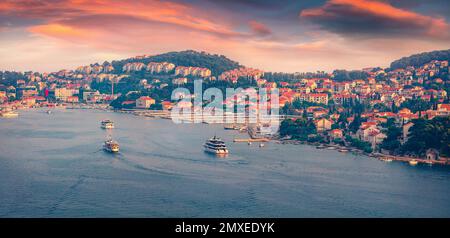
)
(111, 146)
(107, 124)
(215, 146)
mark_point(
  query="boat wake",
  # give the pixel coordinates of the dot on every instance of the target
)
(67, 195)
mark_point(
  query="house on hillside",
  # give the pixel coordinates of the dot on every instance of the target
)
(323, 124)
(144, 102)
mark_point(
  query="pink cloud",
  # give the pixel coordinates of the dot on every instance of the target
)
(375, 18)
(259, 28)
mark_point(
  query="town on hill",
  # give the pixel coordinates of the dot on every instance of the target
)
(400, 110)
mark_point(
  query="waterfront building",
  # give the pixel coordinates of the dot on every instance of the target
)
(28, 101)
(72, 99)
(26, 91)
(63, 93)
(144, 102)
(432, 154)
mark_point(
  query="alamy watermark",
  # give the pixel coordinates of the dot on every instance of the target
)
(238, 106)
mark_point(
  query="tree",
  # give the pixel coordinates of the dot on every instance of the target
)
(416, 105)
(381, 107)
(362, 145)
(420, 59)
(216, 63)
(356, 123)
(392, 141)
(344, 75)
(297, 129)
(426, 134)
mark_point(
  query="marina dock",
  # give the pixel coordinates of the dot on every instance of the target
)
(251, 140)
(408, 159)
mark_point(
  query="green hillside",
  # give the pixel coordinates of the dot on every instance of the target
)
(216, 63)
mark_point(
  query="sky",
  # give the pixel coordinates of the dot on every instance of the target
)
(278, 35)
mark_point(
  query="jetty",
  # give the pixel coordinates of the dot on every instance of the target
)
(251, 140)
(408, 159)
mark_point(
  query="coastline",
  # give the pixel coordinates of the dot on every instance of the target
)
(164, 114)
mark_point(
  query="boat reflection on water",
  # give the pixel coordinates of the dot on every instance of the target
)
(221, 156)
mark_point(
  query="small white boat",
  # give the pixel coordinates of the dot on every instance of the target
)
(261, 145)
(49, 112)
(249, 143)
(413, 162)
(107, 124)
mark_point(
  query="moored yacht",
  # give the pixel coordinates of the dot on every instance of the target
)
(111, 146)
(107, 124)
(215, 145)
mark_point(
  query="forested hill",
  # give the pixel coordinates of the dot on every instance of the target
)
(420, 59)
(216, 63)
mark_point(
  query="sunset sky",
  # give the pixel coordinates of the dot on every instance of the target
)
(278, 35)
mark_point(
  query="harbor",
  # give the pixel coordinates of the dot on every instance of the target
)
(63, 172)
(252, 129)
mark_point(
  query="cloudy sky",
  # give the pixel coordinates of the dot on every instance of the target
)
(278, 35)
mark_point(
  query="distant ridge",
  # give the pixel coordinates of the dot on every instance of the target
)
(420, 59)
(216, 63)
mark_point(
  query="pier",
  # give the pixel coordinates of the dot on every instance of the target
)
(251, 140)
(407, 159)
